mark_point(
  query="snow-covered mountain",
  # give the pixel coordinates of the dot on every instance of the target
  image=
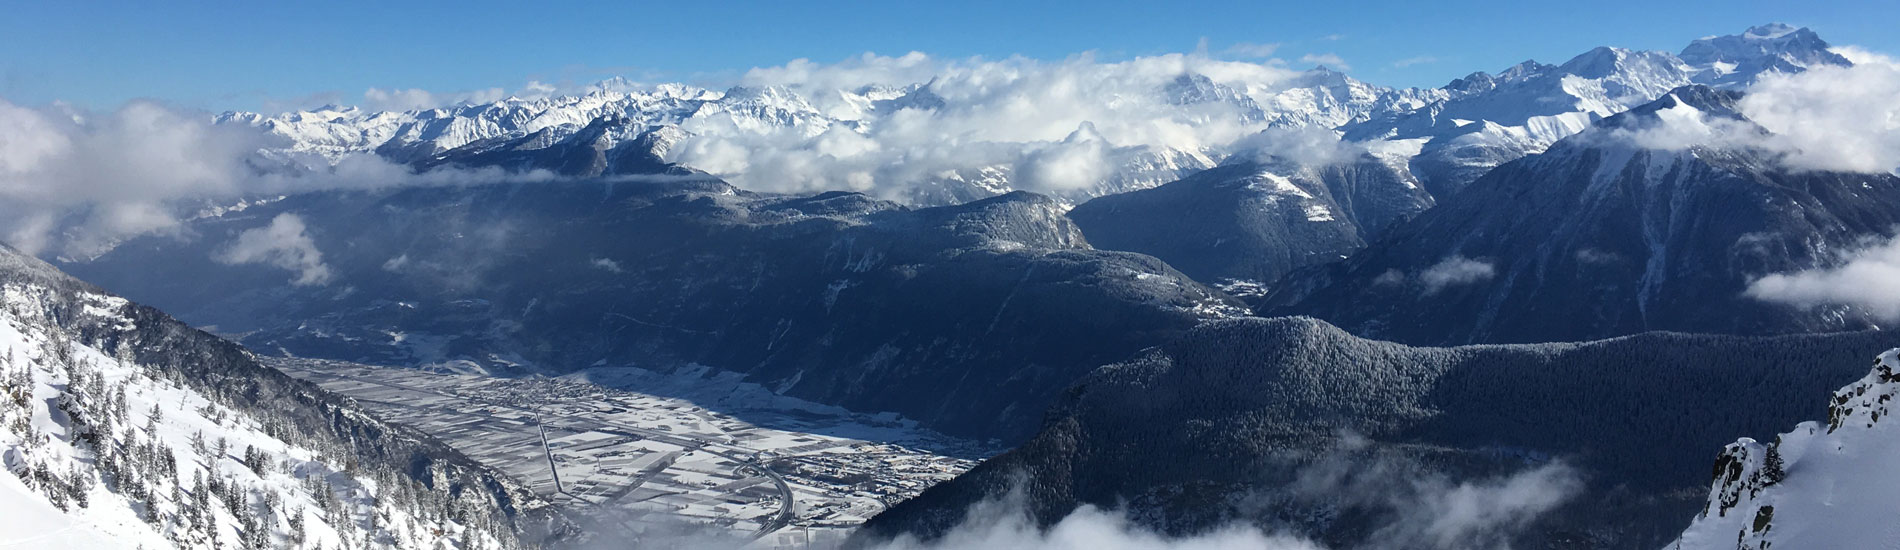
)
(1822, 485)
(121, 428)
(623, 130)
(1400, 158)
(1487, 120)
(1458, 131)
(1622, 229)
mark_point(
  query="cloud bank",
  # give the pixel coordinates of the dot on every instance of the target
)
(1421, 509)
(1426, 509)
(1832, 118)
(1869, 280)
(75, 183)
(1055, 126)
(282, 244)
(1455, 271)
(1825, 119)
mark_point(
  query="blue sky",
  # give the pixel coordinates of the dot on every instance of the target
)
(262, 55)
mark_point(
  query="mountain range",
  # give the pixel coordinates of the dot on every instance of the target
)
(1311, 306)
(1455, 132)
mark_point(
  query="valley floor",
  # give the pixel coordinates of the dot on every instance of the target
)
(636, 461)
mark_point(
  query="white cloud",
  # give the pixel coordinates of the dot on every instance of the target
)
(1447, 514)
(116, 166)
(1832, 118)
(283, 244)
(1054, 125)
(1308, 145)
(1826, 118)
(1869, 280)
(1075, 162)
(1410, 61)
(606, 264)
(1455, 271)
(76, 183)
(1429, 509)
(1330, 60)
(1862, 56)
(1424, 510)
(1005, 525)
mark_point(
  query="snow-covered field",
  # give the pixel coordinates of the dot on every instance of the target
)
(689, 452)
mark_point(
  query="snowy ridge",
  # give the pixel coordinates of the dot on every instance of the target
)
(105, 445)
(1822, 485)
(1470, 125)
(1487, 120)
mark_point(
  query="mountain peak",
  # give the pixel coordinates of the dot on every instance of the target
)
(1084, 133)
(1720, 103)
(1771, 30)
(1607, 62)
(1760, 44)
(1526, 68)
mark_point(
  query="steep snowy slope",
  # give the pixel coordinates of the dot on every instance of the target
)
(1292, 425)
(1824, 485)
(1611, 233)
(120, 428)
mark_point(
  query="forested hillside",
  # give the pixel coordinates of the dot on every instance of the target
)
(1242, 419)
(124, 428)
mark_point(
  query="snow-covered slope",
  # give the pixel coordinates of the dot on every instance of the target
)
(1823, 485)
(120, 428)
